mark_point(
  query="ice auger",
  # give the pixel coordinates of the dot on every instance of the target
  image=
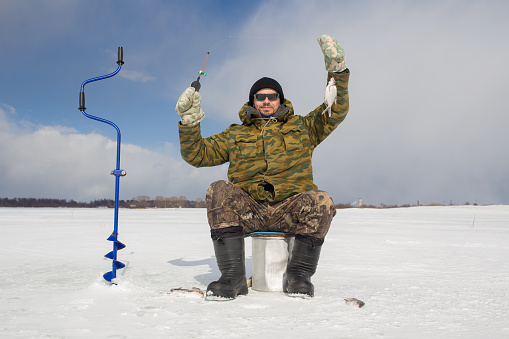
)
(117, 172)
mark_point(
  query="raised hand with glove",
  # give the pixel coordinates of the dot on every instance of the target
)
(333, 53)
(334, 56)
(189, 107)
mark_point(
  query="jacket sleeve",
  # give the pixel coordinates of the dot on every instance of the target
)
(203, 152)
(321, 125)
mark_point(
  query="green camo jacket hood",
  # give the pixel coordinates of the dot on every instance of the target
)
(249, 115)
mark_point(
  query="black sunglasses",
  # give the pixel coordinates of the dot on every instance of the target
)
(262, 96)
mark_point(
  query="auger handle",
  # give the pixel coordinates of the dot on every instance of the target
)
(82, 102)
(120, 56)
(120, 62)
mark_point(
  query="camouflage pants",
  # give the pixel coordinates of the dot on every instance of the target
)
(306, 214)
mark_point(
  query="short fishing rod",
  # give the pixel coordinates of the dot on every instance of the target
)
(196, 84)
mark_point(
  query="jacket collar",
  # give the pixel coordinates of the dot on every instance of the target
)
(248, 114)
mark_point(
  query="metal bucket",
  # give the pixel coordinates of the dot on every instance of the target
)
(269, 260)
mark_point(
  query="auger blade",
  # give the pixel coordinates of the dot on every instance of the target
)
(119, 245)
(109, 276)
(118, 264)
(110, 255)
(112, 237)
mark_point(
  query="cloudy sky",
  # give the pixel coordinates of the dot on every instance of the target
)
(428, 117)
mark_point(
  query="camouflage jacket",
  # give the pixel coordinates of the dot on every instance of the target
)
(269, 159)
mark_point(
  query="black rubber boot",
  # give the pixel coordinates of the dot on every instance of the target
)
(302, 265)
(229, 249)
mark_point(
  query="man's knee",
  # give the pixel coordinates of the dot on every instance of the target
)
(217, 186)
(225, 204)
(320, 201)
(316, 210)
(218, 189)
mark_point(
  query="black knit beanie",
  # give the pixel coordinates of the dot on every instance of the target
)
(266, 83)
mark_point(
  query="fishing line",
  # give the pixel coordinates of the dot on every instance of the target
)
(220, 42)
(208, 53)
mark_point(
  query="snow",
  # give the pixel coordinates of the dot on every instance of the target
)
(428, 272)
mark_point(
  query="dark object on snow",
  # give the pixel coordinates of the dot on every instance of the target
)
(188, 292)
(354, 302)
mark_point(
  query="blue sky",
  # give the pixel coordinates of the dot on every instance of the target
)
(428, 86)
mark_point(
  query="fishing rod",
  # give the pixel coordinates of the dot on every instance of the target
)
(196, 84)
(117, 172)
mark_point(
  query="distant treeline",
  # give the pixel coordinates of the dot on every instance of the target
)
(146, 202)
(137, 202)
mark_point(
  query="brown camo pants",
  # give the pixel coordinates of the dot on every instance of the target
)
(307, 214)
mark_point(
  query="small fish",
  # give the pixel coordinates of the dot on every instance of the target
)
(187, 292)
(330, 95)
(354, 302)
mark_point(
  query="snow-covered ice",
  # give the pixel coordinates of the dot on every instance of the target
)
(424, 272)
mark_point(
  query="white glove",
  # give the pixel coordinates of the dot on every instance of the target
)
(189, 107)
(333, 53)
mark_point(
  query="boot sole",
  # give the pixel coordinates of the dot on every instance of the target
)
(300, 295)
(225, 295)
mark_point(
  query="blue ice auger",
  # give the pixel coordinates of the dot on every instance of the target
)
(117, 172)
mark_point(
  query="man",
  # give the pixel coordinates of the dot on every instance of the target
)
(270, 185)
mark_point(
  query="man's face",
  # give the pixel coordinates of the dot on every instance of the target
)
(266, 107)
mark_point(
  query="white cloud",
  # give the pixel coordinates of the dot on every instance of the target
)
(7, 109)
(58, 162)
(136, 76)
